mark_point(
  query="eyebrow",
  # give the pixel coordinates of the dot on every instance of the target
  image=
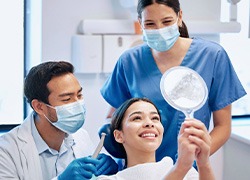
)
(139, 112)
(70, 94)
(168, 18)
(165, 18)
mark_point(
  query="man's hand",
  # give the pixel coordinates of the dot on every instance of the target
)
(82, 168)
(106, 165)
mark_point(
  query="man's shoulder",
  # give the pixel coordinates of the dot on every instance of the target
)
(9, 139)
(82, 135)
(12, 138)
(83, 143)
(81, 131)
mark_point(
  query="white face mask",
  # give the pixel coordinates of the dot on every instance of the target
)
(161, 39)
(70, 117)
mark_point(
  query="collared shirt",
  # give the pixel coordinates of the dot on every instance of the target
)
(53, 162)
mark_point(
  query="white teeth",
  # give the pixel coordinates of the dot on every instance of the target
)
(148, 135)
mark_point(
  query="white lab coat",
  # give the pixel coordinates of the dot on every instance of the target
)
(19, 157)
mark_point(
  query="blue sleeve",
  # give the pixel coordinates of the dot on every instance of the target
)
(226, 87)
(115, 90)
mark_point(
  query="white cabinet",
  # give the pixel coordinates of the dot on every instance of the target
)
(99, 53)
(114, 46)
(237, 152)
(86, 53)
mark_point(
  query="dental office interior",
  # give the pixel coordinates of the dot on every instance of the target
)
(91, 34)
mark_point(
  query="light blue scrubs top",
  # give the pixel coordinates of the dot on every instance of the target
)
(137, 75)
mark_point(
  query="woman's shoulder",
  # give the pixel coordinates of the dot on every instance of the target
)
(136, 50)
(206, 43)
(135, 55)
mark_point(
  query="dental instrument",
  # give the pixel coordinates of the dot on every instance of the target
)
(99, 146)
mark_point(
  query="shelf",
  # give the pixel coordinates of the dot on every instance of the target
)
(211, 27)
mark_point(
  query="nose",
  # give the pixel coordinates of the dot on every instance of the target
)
(76, 98)
(159, 25)
(148, 123)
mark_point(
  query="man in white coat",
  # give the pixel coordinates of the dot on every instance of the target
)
(51, 143)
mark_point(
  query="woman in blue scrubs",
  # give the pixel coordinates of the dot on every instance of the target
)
(139, 70)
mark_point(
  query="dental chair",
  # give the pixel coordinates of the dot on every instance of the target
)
(114, 148)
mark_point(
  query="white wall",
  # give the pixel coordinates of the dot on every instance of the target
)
(237, 158)
(60, 19)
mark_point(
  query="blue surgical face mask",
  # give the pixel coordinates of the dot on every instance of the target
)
(70, 117)
(161, 39)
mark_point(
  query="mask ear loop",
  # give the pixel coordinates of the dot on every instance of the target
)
(50, 106)
(48, 119)
(180, 23)
(46, 116)
(178, 14)
(140, 24)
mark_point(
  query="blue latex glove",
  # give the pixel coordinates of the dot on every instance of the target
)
(106, 165)
(82, 168)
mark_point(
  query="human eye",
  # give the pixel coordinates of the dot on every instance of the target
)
(80, 96)
(167, 22)
(136, 118)
(149, 25)
(156, 118)
(65, 100)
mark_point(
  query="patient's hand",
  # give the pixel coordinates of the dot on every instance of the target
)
(186, 149)
(198, 135)
(194, 143)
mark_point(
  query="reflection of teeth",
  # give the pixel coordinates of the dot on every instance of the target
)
(148, 135)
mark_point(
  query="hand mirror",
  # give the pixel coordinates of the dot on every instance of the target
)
(184, 89)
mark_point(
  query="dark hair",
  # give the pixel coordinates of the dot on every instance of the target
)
(174, 4)
(35, 83)
(118, 116)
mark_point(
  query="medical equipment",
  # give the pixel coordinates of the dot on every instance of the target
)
(97, 150)
(99, 146)
(184, 89)
(111, 145)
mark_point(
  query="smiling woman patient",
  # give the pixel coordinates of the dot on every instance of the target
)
(136, 126)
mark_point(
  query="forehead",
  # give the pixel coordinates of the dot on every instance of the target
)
(141, 106)
(157, 11)
(63, 84)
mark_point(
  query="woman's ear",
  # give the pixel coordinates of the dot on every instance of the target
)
(180, 18)
(118, 136)
(140, 23)
(139, 20)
